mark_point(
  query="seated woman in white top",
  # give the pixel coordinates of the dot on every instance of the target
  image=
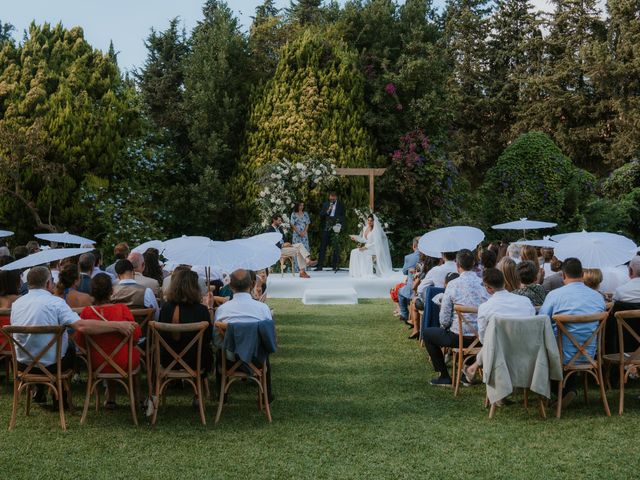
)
(375, 243)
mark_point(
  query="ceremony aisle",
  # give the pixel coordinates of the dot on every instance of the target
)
(352, 400)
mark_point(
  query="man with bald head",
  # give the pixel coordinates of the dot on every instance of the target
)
(137, 260)
(242, 307)
(630, 292)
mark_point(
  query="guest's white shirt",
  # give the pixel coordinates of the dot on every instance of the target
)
(333, 210)
(547, 269)
(506, 304)
(149, 297)
(242, 308)
(628, 292)
(437, 275)
(612, 278)
(39, 308)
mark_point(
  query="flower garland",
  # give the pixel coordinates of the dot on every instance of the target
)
(284, 181)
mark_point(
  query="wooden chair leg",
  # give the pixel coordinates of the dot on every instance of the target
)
(223, 387)
(27, 405)
(14, 406)
(559, 405)
(63, 422)
(543, 413)
(265, 393)
(460, 363)
(156, 406)
(492, 410)
(199, 392)
(586, 388)
(67, 386)
(603, 394)
(87, 400)
(622, 382)
(526, 398)
(207, 390)
(132, 401)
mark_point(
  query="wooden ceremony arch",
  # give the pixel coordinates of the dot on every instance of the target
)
(363, 172)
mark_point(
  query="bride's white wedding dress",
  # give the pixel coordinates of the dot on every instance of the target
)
(376, 245)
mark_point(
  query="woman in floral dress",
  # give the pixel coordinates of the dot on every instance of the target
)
(300, 225)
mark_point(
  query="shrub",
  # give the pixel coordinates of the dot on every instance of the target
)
(622, 180)
(534, 179)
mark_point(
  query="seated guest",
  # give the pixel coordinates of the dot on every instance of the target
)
(152, 268)
(184, 305)
(120, 252)
(630, 291)
(527, 274)
(242, 308)
(488, 259)
(508, 268)
(130, 292)
(166, 282)
(137, 260)
(574, 298)
(33, 247)
(67, 287)
(86, 262)
(612, 279)
(501, 303)
(259, 291)
(20, 252)
(592, 278)
(530, 254)
(514, 252)
(547, 255)
(422, 269)
(437, 299)
(435, 277)
(40, 308)
(465, 290)
(408, 269)
(10, 283)
(296, 250)
(554, 280)
(104, 310)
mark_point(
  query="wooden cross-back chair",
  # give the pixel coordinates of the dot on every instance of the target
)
(5, 348)
(627, 361)
(35, 373)
(97, 373)
(178, 368)
(81, 352)
(142, 317)
(590, 365)
(461, 354)
(229, 375)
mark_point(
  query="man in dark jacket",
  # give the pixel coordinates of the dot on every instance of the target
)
(332, 216)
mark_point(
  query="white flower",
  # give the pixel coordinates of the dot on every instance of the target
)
(317, 172)
(262, 194)
(294, 178)
(285, 171)
(266, 191)
(273, 175)
(386, 225)
(278, 201)
(299, 166)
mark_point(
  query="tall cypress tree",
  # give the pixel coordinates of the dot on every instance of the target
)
(515, 47)
(305, 12)
(466, 28)
(567, 104)
(161, 81)
(216, 89)
(619, 78)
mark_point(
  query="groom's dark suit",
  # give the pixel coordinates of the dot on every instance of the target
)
(327, 220)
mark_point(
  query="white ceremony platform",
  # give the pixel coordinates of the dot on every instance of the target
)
(330, 288)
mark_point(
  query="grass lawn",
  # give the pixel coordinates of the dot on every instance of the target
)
(352, 401)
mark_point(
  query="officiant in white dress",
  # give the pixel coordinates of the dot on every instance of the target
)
(375, 246)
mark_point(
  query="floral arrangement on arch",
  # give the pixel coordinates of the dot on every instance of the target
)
(284, 181)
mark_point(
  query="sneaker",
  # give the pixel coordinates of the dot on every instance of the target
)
(441, 382)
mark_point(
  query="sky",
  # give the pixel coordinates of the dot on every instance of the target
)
(126, 22)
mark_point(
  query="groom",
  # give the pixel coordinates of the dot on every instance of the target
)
(331, 214)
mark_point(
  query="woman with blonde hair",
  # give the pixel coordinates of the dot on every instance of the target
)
(508, 268)
(592, 278)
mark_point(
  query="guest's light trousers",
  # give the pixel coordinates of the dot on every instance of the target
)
(298, 251)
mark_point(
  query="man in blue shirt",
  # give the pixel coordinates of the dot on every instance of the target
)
(574, 298)
(408, 268)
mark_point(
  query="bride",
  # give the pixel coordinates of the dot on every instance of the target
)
(375, 244)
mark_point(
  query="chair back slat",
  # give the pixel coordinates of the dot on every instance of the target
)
(461, 311)
(34, 360)
(178, 358)
(596, 336)
(108, 360)
(624, 325)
